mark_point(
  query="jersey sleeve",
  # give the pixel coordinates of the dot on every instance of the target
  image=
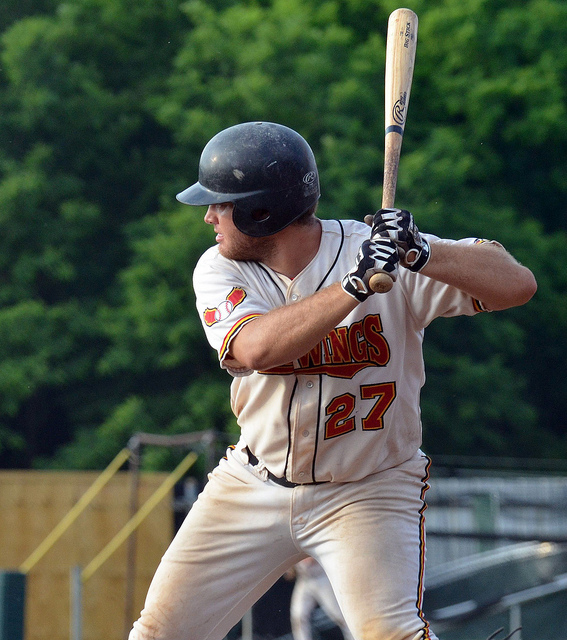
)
(430, 299)
(228, 296)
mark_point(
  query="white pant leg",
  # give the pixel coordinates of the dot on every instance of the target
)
(369, 538)
(323, 592)
(232, 547)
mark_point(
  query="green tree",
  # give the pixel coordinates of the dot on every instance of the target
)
(106, 105)
(486, 155)
(81, 155)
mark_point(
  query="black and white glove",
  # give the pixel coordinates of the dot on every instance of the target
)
(379, 255)
(399, 226)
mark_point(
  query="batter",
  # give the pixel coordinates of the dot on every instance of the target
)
(326, 385)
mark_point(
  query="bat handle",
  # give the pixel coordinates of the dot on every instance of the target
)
(381, 283)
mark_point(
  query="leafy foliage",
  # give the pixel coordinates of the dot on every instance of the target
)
(106, 105)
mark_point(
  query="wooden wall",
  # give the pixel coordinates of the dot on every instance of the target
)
(32, 503)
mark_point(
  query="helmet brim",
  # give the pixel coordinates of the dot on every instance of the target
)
(199, 195)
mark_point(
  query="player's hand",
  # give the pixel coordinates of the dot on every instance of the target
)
(379, 255)
(399, 226)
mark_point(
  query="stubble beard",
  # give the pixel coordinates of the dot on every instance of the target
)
(245, 248)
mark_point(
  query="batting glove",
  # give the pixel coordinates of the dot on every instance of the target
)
(379, 255)
(399, 226)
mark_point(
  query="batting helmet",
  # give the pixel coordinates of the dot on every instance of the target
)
(266, 170)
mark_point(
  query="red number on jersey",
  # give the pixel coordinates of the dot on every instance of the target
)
(341, 409)
(384, 394)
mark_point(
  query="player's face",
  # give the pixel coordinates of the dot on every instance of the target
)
(233, 244)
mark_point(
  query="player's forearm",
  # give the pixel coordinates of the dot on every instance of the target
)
(485, 271)
(289, 332)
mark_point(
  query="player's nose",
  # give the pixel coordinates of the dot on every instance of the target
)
(211, 216)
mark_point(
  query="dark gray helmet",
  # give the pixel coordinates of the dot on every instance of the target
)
(266, 170)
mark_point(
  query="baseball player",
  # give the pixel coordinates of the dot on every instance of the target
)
(326, 378)
(312, 589)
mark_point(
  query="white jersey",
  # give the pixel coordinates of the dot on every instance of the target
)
(349, 407)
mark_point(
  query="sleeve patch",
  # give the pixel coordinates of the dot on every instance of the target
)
(224, 308)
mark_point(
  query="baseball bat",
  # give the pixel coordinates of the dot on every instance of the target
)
(401, 43)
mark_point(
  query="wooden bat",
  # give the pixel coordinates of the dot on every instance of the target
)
(401, 43)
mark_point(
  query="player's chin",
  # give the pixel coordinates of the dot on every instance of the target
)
(225, 247)
(246, 249)
(232, 253)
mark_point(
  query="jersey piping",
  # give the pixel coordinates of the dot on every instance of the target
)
(318, 429)
(271, 277)
(289, 427)
(336, 255)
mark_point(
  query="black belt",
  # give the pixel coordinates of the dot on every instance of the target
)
(283, 482)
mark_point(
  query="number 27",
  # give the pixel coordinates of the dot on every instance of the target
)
(341, 409)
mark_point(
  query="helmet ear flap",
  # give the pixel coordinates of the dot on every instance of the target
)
(254, 216)
(266, 213)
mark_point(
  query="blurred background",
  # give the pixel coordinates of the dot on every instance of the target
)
(105, 106)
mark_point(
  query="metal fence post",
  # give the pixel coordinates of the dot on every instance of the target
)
(247, 630)
(12, 605)
(76, 601)
(515, 620)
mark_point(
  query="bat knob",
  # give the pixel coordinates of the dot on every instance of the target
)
(381, 283)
